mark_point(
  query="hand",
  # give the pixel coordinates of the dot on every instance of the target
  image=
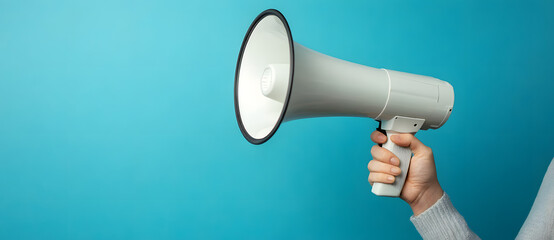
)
(421, 189)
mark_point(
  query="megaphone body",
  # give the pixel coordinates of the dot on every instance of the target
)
(278, 80)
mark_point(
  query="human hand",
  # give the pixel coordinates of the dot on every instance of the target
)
(421, 189)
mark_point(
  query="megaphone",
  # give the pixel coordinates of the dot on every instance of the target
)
(278, 80)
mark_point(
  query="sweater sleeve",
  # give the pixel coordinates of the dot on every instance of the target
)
(442, 221)
(540, 222)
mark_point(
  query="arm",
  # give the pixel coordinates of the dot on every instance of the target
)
(434, 215)
(540, 221)
(442, 221)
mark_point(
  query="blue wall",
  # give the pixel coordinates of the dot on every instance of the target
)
(117, 119)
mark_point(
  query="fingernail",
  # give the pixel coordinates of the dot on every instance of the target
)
(394, 137)
(394, 161)
(390, 178)
(382, 138)
(395, 170)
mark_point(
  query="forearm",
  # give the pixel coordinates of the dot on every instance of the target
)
(442, 221)
(426, 198)
(540, 222)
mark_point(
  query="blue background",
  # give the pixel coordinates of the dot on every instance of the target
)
(117, 119)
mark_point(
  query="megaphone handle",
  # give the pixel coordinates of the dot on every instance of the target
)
(404, 154)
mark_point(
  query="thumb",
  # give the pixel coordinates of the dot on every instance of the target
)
(409, 140)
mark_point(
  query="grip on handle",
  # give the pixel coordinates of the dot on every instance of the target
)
(404, 154)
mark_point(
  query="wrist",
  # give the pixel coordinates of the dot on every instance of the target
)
(426, 198)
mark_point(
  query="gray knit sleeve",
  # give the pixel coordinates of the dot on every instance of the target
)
(442, 221)
(540, 222)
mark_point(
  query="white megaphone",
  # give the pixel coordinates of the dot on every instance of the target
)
(280, 80)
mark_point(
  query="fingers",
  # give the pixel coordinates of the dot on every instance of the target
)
(380, 167)
(378, 137)
(375, 177)
(384, 155)
(382, 172)
(409, 140)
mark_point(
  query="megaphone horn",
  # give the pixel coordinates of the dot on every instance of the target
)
(279, 80)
